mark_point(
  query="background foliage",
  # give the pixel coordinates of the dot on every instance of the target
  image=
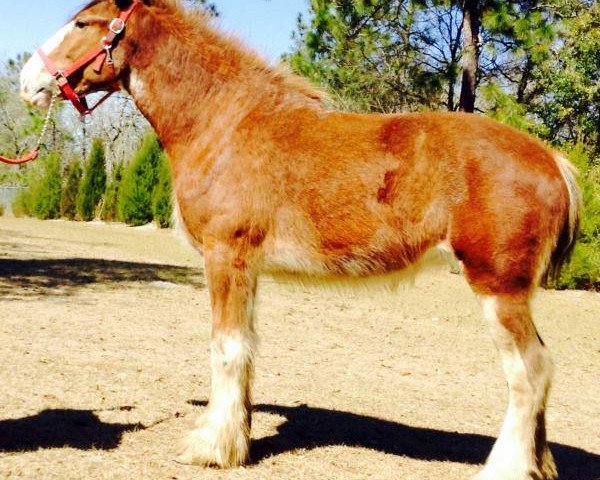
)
(140, 180)
(45, 194)
(68, 199)
(584, 269)
(93, 182)
(110, 211)
(162, 196)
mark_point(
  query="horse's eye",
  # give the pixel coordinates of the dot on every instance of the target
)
(80, 24)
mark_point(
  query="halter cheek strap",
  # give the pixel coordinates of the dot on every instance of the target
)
(99, 56)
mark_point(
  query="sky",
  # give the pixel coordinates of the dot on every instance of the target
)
(265, 25)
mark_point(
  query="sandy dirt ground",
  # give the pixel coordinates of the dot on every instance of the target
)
(104, 361)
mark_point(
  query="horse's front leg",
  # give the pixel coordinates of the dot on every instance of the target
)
(222, 433)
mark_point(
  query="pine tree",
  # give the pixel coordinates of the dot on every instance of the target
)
(397, 55)
(68, 197)
(162, 201)
(565, 92)
(369, 54)
(139, 179)
(46, 192)
(471, 24)
(93, 183)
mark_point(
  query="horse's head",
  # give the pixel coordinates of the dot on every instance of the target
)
(76, 58)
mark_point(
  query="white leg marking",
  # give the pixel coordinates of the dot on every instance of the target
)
(222, 433)
(528, 373)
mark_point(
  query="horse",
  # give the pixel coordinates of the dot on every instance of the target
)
(269, 178)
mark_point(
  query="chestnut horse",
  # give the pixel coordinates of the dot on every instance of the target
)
(269, 179)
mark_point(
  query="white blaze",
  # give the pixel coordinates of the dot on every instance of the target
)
(34, 75)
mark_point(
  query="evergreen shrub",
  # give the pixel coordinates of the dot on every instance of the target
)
(139, 179)
(111, 195)
(93, 182)
(68, 199)
(162, 198)
(46, 191)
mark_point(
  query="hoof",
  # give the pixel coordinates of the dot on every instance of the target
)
(208, 447)
(490, 473)
(507, 464)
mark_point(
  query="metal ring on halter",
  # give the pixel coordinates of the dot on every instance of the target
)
(117, 25)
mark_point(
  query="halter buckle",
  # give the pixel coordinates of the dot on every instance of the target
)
(116, 25)
(60, 77)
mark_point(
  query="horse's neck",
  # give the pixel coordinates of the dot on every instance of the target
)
(193, 91)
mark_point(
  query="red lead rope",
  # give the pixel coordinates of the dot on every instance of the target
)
(18, 161)
(33, 154)
(99, 56)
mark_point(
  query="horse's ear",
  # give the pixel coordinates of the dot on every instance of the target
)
(125, 4)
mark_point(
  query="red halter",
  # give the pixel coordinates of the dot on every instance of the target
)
(98, 55)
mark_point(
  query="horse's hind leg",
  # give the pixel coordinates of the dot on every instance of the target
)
(521, 451)
(222, 434)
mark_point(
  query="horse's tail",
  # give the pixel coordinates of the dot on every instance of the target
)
(570, 226)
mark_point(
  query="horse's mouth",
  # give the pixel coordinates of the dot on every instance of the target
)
(41, 98)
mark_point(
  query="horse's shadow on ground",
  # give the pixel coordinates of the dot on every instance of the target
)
(25, 278)
(305, 428)
(310, 427)
(80, 429)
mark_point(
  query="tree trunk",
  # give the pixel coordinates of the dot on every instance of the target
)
(524, 80)
(471, 26)
(450, 98)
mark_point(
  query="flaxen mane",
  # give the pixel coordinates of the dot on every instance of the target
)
(193, 24)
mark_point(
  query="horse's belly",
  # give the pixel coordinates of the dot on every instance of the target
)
(345, 245)
(291, 264)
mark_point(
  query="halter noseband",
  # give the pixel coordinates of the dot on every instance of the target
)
(99, 56)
